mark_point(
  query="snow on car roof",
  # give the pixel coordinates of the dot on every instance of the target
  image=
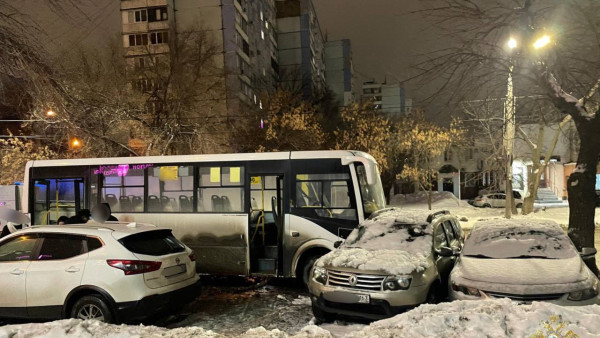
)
(395, 241)
(518, 238)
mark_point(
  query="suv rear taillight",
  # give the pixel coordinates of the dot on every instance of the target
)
(134, 267)
(193, 257)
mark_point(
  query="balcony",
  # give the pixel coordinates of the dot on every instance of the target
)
(131, 4)
(139, 27)
(147, 50)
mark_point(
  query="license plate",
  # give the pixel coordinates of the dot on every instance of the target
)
(174, 270)
(366, 299)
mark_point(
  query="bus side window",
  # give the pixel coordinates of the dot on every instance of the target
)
(221, 189)
(327, 194)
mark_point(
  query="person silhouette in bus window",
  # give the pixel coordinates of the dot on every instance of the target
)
(62, 220)
(111, 218)
(81, 217)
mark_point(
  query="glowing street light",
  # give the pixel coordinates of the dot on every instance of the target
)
(541, 42)
(75, 143)
(50, 113)
(512, 43)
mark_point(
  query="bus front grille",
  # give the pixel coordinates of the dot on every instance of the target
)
(362, 281)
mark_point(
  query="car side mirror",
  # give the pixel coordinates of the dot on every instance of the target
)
(448, 252)
(337, 244)
(588, 252)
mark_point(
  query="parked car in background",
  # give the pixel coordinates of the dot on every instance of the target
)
(524, 260)
(395, 260)
(112, 272)
(496, 200)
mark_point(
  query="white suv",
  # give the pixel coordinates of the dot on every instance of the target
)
(113, 272)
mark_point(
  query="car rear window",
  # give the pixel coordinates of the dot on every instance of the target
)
(153, 243)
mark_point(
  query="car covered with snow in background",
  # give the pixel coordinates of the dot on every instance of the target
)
(111, 272)
(393, 261)
(524, 260)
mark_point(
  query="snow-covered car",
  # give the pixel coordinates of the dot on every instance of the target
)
(524, 260)
(393, 261)
(112, 272)
(496, 200)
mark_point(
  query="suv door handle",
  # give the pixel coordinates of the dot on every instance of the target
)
(72, 269)
(295, 234)
(17, 272)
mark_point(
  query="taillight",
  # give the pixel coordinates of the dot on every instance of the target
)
(193, 257)
(134, 267)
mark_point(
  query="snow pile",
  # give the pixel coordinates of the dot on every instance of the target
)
(511, 238)
(395, 242)
(92, 328)
(497, 318)
(438, 199)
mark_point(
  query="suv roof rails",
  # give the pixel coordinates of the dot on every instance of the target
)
(432, 216)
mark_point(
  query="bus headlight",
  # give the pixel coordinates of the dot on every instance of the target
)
(393, 283)
(320, 275)
(584, 294)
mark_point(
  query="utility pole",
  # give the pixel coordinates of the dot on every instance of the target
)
(509, 141)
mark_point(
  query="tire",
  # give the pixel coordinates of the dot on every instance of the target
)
(303, 271)
(519, 206)
(92, 307)
(322, 316)
(432, 295)
(487, 205)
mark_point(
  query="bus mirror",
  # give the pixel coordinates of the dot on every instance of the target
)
(370, 172)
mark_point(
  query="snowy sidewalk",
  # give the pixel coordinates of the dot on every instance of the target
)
(498, 318)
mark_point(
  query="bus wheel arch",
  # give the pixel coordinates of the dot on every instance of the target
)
(305, 261)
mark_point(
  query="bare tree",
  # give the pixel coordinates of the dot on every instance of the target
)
(565, 69)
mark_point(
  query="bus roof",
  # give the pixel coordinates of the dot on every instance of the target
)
(202, 158)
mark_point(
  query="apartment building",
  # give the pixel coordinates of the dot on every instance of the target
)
(301, 47)
(389, 98)
(339, 73)
(243, 32)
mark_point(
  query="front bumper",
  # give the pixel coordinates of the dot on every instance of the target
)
(382, 304)
(563, 300)
(148, 306)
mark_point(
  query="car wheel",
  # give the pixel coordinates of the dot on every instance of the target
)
(322, 316)
(433, 296)
(304, 270)
(520, 205)
(92, 307)
(487, 205)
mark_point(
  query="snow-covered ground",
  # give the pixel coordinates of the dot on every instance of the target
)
(471, 214)
(497, 318)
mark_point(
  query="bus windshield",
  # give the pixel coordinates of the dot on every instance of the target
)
(373, 198)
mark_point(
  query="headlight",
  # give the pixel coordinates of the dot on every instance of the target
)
(585, 294)
(392, 283)
(466, 290)
(320, 275)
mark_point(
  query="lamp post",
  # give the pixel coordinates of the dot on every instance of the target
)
(509, 131)
(509, 120)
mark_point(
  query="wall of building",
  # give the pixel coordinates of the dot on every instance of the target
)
(339, 73)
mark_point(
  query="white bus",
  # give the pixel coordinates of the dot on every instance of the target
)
(244, 214)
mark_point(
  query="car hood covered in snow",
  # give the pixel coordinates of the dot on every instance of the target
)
(524, 271)
(396, 241)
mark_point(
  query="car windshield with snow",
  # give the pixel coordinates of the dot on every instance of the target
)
(395, 260)
(524, 260)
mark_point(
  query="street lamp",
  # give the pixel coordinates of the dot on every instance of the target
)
(541, 42)
(50, 113)
(75, 143)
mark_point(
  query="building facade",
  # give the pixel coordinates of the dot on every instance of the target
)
(339, 73)
(389, 98)
(301, 48)
(242, 32)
